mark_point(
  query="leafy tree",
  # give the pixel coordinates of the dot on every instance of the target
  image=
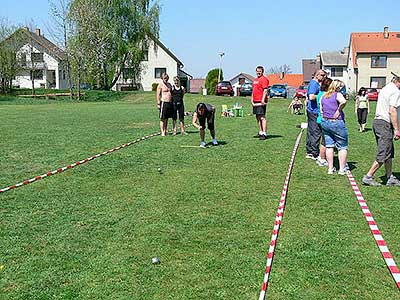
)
(113, 35)
(9, 64)
(212, 81)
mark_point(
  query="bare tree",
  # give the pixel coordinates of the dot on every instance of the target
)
(286, 69)
(60, 29)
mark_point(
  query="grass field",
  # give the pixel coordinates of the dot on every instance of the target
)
(90, 232)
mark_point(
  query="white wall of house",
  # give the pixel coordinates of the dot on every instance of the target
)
(365, 72)
(157, 59)
(352, 76)
(235, 83)
(49, 64)
(344, 76)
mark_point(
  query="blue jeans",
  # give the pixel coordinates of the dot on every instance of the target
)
(335, 133)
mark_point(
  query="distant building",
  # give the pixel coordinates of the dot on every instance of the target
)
(292, 80)
(157, 61)
(372, 56)
(197, 85)
(40, 60)
(309, 67)
(239, 79)
(334, 63)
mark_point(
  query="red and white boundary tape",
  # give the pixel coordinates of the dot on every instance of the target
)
(387, 256)
(70, 166)
(278, 220)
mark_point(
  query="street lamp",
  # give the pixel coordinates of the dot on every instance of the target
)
(220, 65)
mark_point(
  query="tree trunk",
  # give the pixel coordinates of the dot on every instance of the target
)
(79, 83)
(118, 71)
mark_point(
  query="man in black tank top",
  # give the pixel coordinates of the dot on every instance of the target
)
(205, 112)
(177, 93)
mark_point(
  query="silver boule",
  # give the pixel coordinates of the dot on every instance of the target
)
(155, 261)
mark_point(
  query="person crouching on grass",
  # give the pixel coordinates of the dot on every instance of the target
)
(205, 112)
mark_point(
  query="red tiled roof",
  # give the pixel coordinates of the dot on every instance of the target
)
(294, 80)
(374, 42)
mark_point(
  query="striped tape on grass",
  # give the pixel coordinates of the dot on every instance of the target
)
(73, 165)
(70, 166)
(383, 248)
(278, 220)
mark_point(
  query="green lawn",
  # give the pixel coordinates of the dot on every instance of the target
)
(90, 232)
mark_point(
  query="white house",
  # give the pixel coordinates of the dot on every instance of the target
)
(239, 79)
(41, 60)
(335, 64)
(157, 61)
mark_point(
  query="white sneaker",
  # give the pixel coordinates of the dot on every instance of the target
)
(214, 142)
(203, 144)
(331, 171)
(344, 171)
(321, 162)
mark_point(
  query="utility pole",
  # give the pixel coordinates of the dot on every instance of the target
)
(220, 66)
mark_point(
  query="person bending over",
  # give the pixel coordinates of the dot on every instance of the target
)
(205, 113)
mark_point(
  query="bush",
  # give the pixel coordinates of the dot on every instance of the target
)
(212, 80)
(154, 86)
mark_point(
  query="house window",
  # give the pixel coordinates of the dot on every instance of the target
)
(378, 82)
(337, 72)
(64, 74)
(37, 57)
(128, 73)
(145, 55)
(378, 61)
(159, 71)
(22, 59)
(37, 74)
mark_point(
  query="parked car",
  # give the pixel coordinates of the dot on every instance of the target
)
(372, 94)
(301, 91)
(224, 88)
(246, 89)
(278, 90)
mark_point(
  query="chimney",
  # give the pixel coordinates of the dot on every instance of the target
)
(37, 31)
(386, 32)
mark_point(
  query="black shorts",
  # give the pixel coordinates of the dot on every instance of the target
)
(384, 138)
(210, 122)
(166, 110)
(259, 110)
(297, 106)
(179, 109)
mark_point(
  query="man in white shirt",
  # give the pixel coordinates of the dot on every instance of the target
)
(386, 128)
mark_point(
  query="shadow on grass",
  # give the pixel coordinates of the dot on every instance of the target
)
(352, 165)
(220, 143)
(273, 136)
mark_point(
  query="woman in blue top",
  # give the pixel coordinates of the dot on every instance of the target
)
(334, 127)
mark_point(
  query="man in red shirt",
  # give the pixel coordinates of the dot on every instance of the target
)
(259, 100)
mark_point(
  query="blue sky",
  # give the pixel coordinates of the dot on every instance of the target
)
(268, 33)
